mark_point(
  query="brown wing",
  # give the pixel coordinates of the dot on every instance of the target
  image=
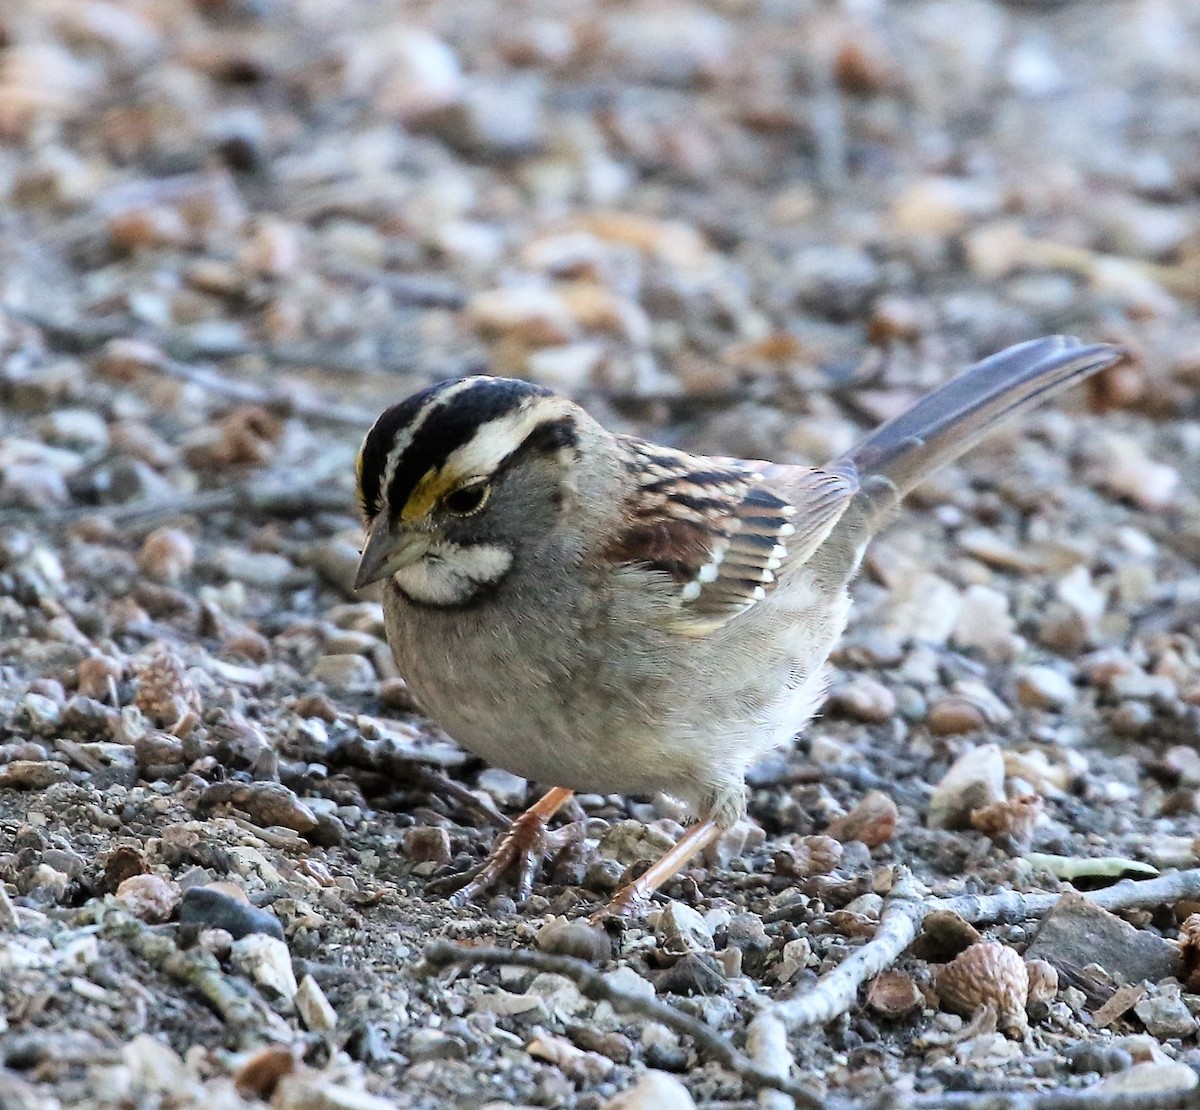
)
(719, 531)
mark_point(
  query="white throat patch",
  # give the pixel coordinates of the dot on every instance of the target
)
(451, 573)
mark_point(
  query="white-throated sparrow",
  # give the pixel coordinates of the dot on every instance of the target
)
(595, 611)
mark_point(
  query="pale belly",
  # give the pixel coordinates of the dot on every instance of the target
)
(680, 715)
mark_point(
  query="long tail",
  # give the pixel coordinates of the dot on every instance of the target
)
(903, 452)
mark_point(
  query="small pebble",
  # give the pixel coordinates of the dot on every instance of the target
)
(1148, 1078)
(167, 555)
(28, 774)
(345, 673)
(953, 716)
(560, 937)
(426, 844)
(656, 1090)
(267, 961)
(872, 821)
(507, 790)
(974, 780)
(681, 929)
(148, 897)
(314, 1008)
(1042, 687)
(866, 699)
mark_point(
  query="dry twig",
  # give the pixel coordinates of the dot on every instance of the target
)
(249, 1020)
(708, 1041)
(905, 910)
(1086, 1098)
(280, 401)
(181, 358)
(265, 497)
(80, 337)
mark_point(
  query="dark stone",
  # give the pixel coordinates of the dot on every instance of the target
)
(431, 1044)
(205, 908)
(1078, 932)
(663, 1057)
(1098, 1058)
(328, 833)
(745, 931)
(695, 973)
(603, 875)
(366, 1044)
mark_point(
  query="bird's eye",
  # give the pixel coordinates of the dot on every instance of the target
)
(467, 500)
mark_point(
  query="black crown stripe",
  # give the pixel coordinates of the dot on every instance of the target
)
(444, 430)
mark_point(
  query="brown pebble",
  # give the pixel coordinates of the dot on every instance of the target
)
(123, 863)
(29, 774)
(944, 935)
(260, 1075)
(157, 749)
(147, 226)
(865, 699)
(394, 694)
(94, 529)
(316, 705)
(954, 715)
(247, 644)
(265, 803)
(616, 1046)
(245, 437)
(560, 937)
(1012, 819)
(167, 555)
(97, 674)
(813, 855)
(426, 844)
(148, 897)
(872, 821)
(893, 994)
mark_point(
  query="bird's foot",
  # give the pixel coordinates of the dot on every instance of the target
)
(522, 848)
(633, 899)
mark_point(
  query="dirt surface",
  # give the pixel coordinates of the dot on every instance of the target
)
(233, 230)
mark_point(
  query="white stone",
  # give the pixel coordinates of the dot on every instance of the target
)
(985, 624)
(1044, 688)
(315, 1009)
(268, 962)
(1169, 1075)
(975, 779)
(504, 788)
(681, 929)
(656, 1090)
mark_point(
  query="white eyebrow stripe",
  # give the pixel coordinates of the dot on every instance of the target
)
(500, 437)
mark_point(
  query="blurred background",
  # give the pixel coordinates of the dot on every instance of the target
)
(693, 204)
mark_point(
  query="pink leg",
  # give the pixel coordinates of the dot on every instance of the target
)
(524, 846)
(633, 898)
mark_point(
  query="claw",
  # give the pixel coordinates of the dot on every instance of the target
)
(633, 899)
(524, 846)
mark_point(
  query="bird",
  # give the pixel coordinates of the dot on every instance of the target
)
(602, 614)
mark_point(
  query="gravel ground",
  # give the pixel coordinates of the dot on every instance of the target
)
(233, 230)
